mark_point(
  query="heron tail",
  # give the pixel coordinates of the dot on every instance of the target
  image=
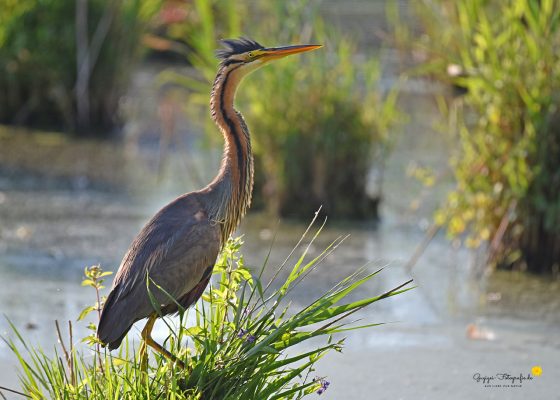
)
(114, 324)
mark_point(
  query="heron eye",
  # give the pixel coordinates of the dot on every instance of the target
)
(250, 54)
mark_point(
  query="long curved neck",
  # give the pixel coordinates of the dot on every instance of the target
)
(229, 194)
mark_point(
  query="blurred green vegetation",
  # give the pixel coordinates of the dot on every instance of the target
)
(55, 75)
(506, 56)
(319, 121)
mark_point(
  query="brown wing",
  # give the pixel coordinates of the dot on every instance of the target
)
(174, 250)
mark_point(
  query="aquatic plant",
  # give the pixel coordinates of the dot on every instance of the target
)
(240, 342)
(321, 123)
(505, 58)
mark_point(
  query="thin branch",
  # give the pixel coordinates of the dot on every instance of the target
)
(64, 350)
(421, 248)
(71, 361)
(500, 232)
(82, 62)
(88, 52)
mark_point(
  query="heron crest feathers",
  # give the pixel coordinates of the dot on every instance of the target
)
(237, 46)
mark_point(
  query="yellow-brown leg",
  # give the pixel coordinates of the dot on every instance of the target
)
(143, 356)
(148, 341)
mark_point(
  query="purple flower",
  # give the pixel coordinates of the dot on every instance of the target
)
(324, 385)
(250, 338)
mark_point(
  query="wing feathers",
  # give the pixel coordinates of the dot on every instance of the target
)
(174, 249)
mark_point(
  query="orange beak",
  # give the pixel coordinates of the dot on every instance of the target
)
(280, 52)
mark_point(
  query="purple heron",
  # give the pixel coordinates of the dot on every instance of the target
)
(177, 248)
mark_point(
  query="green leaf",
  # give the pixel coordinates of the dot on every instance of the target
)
(85, 312)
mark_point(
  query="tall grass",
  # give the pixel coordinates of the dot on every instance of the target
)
(243, 341)
(66, 64)
(507, 168)
(320, 122)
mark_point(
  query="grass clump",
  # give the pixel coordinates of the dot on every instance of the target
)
(505, 58)
(239, 342)
(66, 64)
(320, 122)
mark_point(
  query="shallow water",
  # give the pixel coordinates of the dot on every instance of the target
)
(54, 223)
(48, 236)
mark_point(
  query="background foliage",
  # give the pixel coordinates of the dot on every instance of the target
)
(41, 56)
(508, 164)
(320, 121)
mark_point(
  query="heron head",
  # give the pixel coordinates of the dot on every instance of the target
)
(252, 55)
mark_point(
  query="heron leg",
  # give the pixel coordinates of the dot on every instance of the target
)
(148, 341)
(143, 357)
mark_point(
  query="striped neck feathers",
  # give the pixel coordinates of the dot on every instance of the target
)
(230, 191)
